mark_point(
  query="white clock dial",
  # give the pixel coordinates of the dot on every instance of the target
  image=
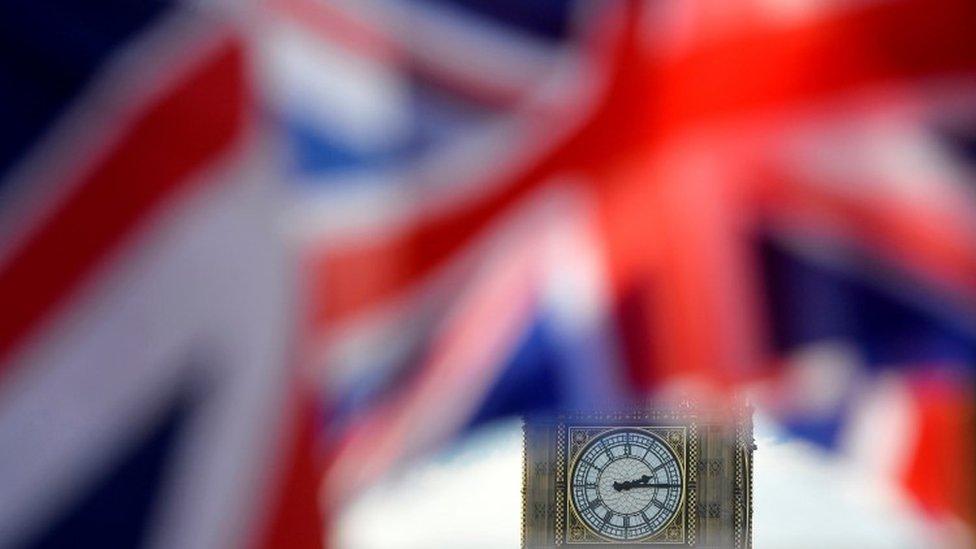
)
(626, 484)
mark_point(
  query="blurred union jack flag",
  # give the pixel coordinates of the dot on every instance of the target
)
(423, 215)
(536, 206)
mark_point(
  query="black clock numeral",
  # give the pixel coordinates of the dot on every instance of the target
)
(608, 516)
(594, 504)
(658, 504)
(626, 521)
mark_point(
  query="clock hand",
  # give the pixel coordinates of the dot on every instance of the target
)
(623, 486)
(643, 482)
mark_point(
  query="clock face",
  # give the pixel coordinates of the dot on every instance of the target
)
(626, 484)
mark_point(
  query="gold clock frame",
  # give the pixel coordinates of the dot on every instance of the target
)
(675, 437)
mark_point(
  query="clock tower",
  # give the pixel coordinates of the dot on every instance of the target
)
(675, 477)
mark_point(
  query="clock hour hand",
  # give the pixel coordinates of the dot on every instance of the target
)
(643, 482)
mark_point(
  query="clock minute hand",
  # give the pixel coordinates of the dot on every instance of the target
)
(643, 482)
(628, 484)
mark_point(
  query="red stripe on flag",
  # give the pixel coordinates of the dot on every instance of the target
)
(940, 474)
(170, 140)
(778, 66)
(296, 520)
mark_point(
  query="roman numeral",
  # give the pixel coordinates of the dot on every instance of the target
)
(657, 504)
(626, 521)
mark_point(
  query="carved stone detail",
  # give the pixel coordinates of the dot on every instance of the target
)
(715, 509)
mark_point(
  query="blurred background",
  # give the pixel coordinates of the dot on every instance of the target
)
(286, 273)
